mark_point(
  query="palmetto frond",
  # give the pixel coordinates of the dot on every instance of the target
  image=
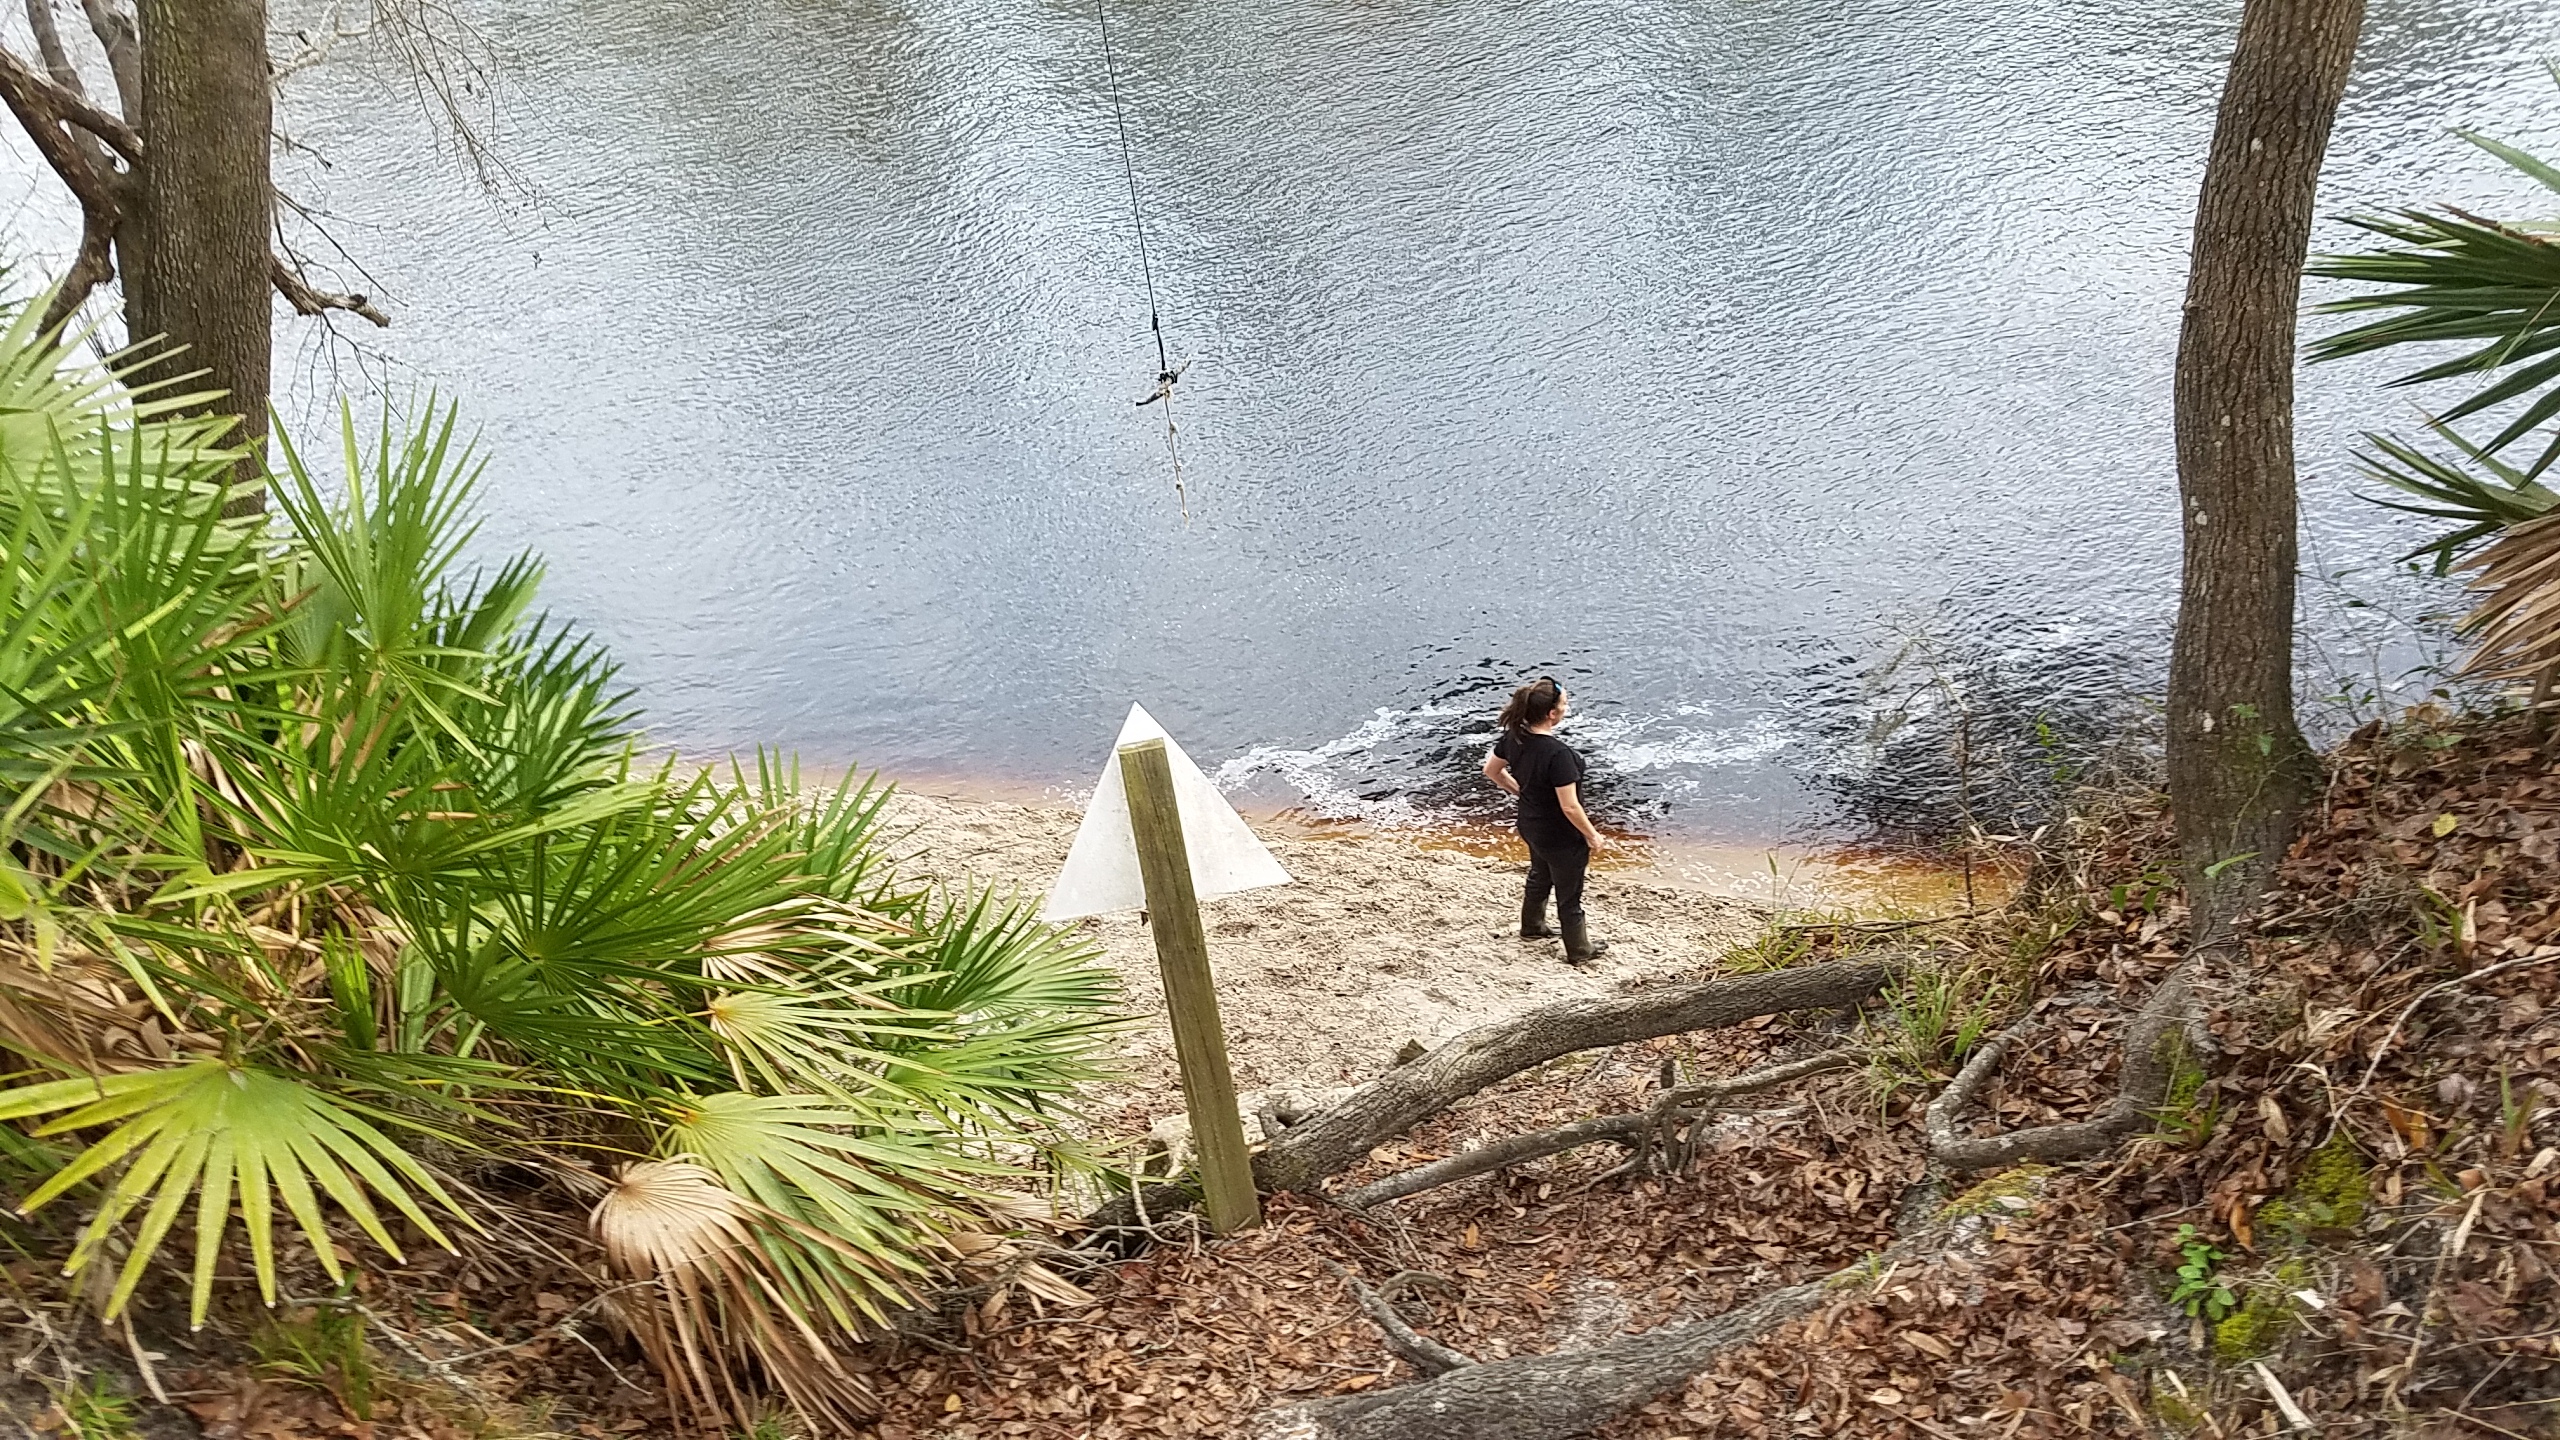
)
(221, 1132)
(2457, 278)
(2491, 290)
(2483, 497)
(885, 1194)
(705, 1247)
(316, 842)
(2516, 629)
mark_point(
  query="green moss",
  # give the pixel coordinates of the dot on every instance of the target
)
(2331, 1193)
(2188, 1111)
(2024, 1182)
(2266, 1316)
(2256, 1328)
(2175, 1411)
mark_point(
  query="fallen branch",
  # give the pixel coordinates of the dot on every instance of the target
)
(2148, 1063)
(1414, 1348)
(1672, 1107)
(1342, 1135)
(1395, 1102)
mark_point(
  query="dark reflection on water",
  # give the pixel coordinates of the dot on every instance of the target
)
(1704, 352)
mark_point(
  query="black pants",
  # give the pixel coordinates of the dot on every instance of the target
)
(1558, 868)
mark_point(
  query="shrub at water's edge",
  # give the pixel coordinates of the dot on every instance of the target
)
(333, 871)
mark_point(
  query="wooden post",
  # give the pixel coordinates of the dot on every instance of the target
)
(1190, 996)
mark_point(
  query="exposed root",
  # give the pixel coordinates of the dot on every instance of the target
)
(2148, 1065)
(1414, 1348)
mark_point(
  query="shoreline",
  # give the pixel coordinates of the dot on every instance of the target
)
(1379, 939)
(1770, 874)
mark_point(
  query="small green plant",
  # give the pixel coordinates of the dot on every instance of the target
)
(93, 1411)
(2439, 920)
(1937, 1014)
(773, 1424)
(324, 1349)
(1775, 949)
(2515, 1118)
(2200, 1291)
(2139, 893)
(2265, 1318)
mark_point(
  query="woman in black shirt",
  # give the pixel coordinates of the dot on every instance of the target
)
(1530, 762)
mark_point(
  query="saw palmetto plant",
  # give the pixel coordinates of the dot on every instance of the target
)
(2490, 291)
(331, 869)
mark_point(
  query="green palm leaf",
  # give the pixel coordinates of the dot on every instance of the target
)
(825, 1165)
(215, 1130)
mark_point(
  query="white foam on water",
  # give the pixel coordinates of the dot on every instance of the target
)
(1313, 773)
(1668, 749)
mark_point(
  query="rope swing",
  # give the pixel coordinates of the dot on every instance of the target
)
(1167, 373)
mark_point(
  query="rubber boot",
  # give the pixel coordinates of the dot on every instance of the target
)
(1579, 947)
(1533, 921)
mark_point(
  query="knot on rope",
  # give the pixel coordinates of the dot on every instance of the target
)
(1165, 380)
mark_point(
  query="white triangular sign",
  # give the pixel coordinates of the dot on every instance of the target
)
(1101, 873)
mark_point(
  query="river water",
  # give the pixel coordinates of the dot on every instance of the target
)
(1791, 378)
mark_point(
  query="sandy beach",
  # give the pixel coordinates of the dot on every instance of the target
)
(1382, 938)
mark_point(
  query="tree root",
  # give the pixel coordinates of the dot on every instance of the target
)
(2149, 1063)
(1654, 1129)
(1570, 1392)
(1550, 1397)
(1414, 1348)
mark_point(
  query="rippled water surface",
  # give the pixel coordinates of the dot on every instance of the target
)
(1709, 354)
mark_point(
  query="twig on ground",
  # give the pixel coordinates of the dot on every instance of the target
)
(2423, 997)
(2284, 1398)
(142, 1361)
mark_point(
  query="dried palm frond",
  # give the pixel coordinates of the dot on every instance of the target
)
(718, 1299)
(2517, 627)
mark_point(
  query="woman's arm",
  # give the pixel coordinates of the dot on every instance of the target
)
(1498, 770)
(1567, 797)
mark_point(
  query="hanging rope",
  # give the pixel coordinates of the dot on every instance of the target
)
(1167, 373)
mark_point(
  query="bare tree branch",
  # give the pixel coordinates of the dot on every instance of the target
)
(1391, 1104)
(64, 107)
(57, 60)
(1571, 1392)
(305, 300)
(1341, 1136)
(1551, 1396)
(40, 107)
(123, 44)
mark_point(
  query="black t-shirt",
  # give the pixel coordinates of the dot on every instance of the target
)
(1541, 763)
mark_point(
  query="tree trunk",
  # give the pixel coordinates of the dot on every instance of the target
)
(2239, 769)
(197, 243)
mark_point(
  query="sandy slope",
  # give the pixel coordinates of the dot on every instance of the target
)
(1379, 940)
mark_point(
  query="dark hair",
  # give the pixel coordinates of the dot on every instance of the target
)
(1531, 704)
